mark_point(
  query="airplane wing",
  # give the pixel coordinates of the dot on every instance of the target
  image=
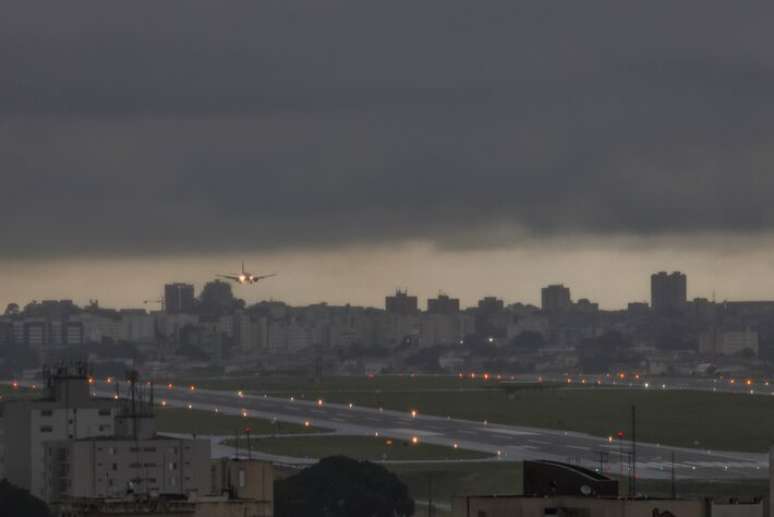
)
(261, 277)
(234, 278)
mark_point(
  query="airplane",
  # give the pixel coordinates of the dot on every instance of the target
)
(246, 278)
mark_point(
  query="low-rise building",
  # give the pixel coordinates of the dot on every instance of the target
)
(526, 506)
(729, 342)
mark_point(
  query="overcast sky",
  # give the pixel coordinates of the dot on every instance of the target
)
(354, 147)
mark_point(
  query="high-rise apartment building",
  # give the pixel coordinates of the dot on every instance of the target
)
(668, 292)
(401, 303)
(555, 298)
(178, 298)
(443, 305)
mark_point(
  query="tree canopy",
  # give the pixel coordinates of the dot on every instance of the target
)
(343, 487)
(15, 502)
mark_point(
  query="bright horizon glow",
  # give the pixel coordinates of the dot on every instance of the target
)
(611, 272)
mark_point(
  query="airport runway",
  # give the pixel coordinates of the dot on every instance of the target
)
(505, 443)
(727, 384)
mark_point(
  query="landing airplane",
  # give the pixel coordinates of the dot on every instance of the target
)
(246, 278)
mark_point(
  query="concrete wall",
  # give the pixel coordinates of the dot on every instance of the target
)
(517, 506)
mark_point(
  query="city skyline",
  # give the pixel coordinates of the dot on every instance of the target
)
(336, 280)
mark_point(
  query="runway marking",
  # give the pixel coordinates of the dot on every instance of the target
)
(507, 431)
(412, 431)
(581, 447)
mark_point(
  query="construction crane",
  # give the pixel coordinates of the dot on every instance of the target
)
(159, 301)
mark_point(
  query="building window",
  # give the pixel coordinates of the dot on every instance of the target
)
(46, 412)
(149, 449)
(104, 412)
(46, 429)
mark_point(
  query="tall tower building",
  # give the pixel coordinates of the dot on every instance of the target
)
(443, 305)
(401, 303)
(179, 298)
(668, 292)
(555, 298)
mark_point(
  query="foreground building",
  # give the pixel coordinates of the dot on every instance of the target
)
(238, 489)
(579, 506)
(67, 411)
(561, 489)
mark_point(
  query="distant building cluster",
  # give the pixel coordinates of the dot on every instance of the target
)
(215, 329)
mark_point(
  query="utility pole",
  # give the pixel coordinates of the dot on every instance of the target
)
(674, 485)
(430, 495)
(633, 484)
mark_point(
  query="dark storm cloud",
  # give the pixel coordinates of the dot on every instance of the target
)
(206, 126)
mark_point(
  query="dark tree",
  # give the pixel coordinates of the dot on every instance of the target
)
(528, 341)
(12, 309)
(15, 502)
(342, 487)
(217, 299)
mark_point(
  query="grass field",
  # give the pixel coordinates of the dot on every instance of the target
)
(360, 447)
(179, 420)
(8, 392)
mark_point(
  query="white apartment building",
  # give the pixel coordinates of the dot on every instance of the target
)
(68, 412)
